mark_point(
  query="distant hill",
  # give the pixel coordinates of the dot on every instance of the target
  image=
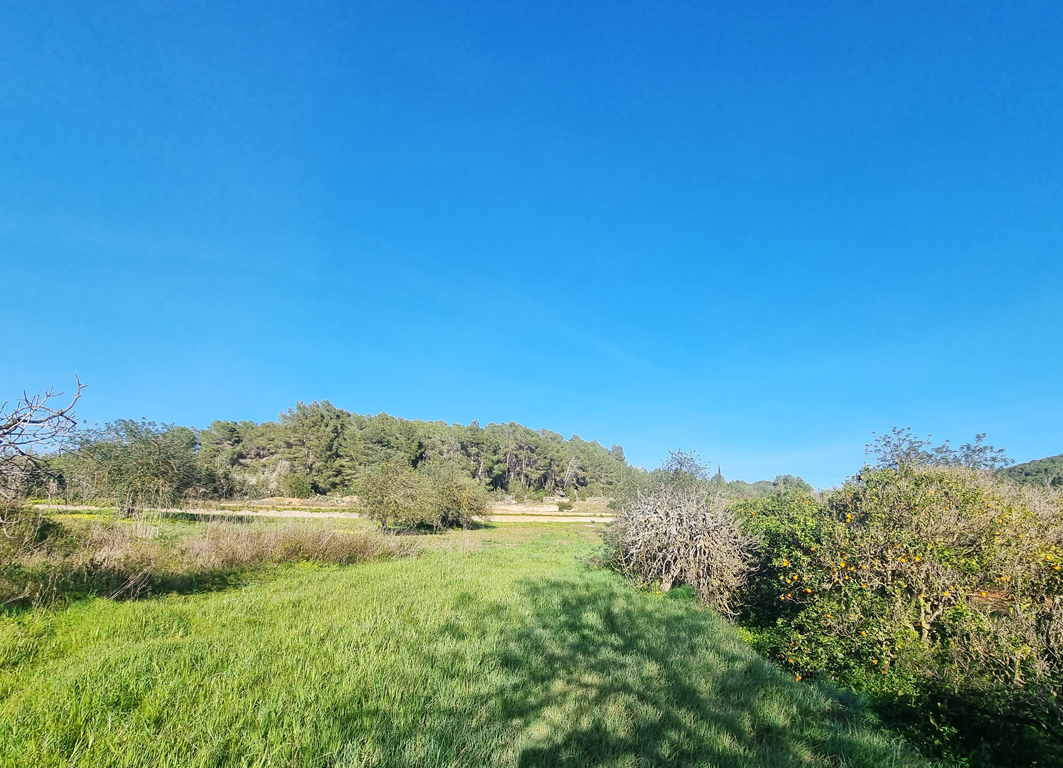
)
(1040, 472)
(761, 488)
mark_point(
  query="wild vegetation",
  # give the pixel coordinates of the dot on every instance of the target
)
(321, 450)
(505, 656)
(48, 560)
(439, 496)
(926, 582)
(1047, 472)
(937, 591)
(401, 473)
(34, 424)
(678, 535)
(929, 584)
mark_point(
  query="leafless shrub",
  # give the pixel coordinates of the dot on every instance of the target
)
(682, 536)
(33, 423)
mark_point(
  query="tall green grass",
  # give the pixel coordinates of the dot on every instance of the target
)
(515, 656)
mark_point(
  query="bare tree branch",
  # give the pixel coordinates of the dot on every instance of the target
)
(33, 425)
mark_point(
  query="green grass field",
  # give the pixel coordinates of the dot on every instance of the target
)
(494, 647)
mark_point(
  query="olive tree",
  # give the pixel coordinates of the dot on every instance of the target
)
(136, 465)
(438, 495)
(453, 497)
(392, 495)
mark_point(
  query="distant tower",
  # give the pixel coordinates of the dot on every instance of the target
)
(718, 477)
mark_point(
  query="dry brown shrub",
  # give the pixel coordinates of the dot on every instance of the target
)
(680, 536)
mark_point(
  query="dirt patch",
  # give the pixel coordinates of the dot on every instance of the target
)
(496, 518)
(317, 502)
(526, 513)
(594, 506)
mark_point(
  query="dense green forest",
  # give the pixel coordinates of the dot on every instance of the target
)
(1041, 472)
(321, 449)
(317, 449)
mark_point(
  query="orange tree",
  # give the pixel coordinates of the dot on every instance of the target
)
(936, 587)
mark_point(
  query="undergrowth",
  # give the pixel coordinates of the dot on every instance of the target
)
(45, 561)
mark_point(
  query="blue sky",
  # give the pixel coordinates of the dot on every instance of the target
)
(759, 230)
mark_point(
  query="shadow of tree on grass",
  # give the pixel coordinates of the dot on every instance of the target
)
(586, 675)
(441, 661)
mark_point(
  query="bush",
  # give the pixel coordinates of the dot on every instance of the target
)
(922, 584)
(241, 546)
(24, 530)
(298, 486)
(393, 495)
(564, 506)
(680, 536)
(453, 498)
(439, 495)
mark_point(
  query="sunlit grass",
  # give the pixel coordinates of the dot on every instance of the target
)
(504, 653)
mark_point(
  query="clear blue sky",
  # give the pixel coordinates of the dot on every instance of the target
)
(759, 231)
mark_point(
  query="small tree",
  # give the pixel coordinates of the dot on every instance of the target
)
(31, 429)
(784, 483)
(440, 494)
(136, 464)
(899, 449)
(393, 495)
(932, 583)
(453, 497)
(686, 463)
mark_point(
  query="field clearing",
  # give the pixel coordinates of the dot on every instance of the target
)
(540, 513)
(497, 646)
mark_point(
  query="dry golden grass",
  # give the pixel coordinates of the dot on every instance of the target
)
(46, 561)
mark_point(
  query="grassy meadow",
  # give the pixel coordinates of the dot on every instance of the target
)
(498, 646)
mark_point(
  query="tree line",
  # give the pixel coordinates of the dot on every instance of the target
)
(318, 449)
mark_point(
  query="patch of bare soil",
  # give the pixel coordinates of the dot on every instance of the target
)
(318, 502)
(596, 506)
(283, 507)
(563, 518)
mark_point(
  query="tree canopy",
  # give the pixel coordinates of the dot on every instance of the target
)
(1040, 472)
(319, 449)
